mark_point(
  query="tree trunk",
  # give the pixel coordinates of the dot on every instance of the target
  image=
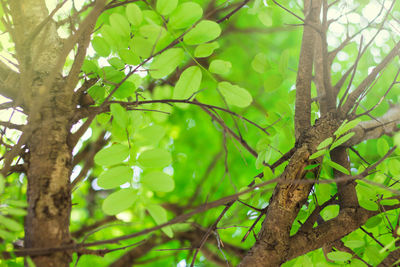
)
(49, 194)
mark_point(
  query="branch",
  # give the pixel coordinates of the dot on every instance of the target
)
(373, 129)
(348, 105)
(302, 115)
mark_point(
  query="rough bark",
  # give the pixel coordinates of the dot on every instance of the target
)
(49, 195)
(304, 74)
(346, 190)
(272, 246)
(49, 159)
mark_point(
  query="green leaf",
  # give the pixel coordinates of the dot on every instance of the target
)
(112, 155)
(337, 166)
(325, 143)
(219, 66)
(141, 46)
(2, 183)
(235, 95)
(389, 202)
(354, 243)
(134, 14)
(330, 212)
(115, 177)
(185, 15)
(116, 62)
(368, 204)
(268, 174)
(16, 203)
(165, 7)
(7, 235)
(373, 221)
(318, 154)
(203, 32)
(160, 216)
(310, 167)
(120, 24)
(119, 201)
(120, 115)
(158, 181)
(10, 224)
(15, 211)
(244, 196)
(265, 17)
(205, 50)
(346, 126)
(382, 146)
(153, 33)
(339, 256)
(111, 36)
(101, 46)
(166, 63)
(155, 158)
(260, 63)
(342, 140)
(124, 90)
(150, 135)
(188, 83)
(129, 57)
(273, 81)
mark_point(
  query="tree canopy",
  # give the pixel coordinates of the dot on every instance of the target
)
(199, 133)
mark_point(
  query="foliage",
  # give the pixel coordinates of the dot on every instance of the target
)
(195, 99)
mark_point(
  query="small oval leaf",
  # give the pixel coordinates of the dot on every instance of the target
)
(158, 181)
(134, 14)
(203, 32)
(235, 95)
(115, 177)
(160, 216)
(166, 63)
(119, 201)
(188, 83)
(165, 7)
(185, 15)
(155, 158)
(219, 66)
(112, 155)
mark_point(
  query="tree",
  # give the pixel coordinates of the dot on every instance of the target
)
(200, 132)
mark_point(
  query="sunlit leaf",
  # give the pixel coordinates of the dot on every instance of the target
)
(115, 177)
(165, 7)
(203, 32)
(155, 158)
(158, 181)
(337, 166)
(160, 216)
(205, 50)
(188, 83)
(219, 66)
(120, 115)
(235, 95)
(119, 201)
(346, 126)
(134, 14)
(112, 155)
(185, 15)
(260, 63)
(342, 140)
(325, 143)
(10, 224)
(120, 24)
(339, 256)
(101, 46)
(166, 63)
